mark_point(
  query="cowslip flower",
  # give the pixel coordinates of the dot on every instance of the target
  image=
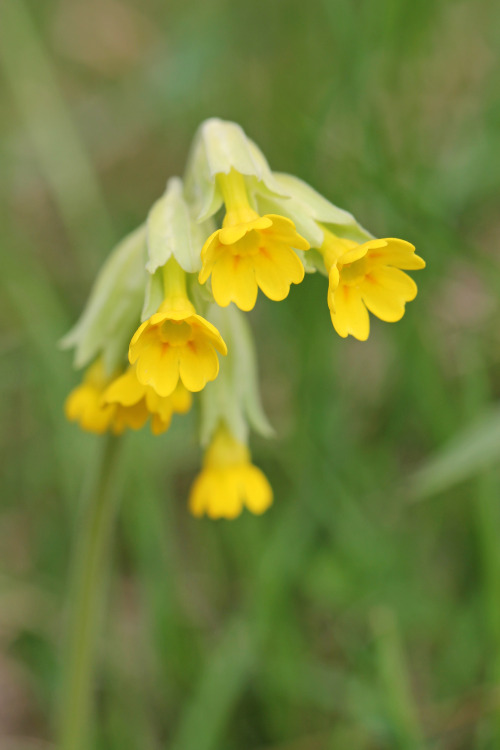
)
(368, 277)
(136, 402)
(250, 252)
(176, 343)
(229, 481)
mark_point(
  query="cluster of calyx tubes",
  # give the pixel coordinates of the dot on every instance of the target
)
(188, 280)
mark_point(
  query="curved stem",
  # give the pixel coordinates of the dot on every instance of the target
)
(89, 578)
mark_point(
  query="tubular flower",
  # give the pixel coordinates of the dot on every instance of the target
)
(84, 404)
(250, 251)
(368, 277)
(136, 402)
(175, 343)
(228, 480)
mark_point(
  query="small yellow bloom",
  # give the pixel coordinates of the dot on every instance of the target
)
(136, 402)
(250, 251)
(84, 404)
(175, 343)
(229, 481)
(368, 277)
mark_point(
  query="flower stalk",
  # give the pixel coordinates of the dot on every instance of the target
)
(86, 602)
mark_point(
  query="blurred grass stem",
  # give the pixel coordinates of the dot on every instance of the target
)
(394, 680)
(487, 527)
(88, 583)
(61, 155)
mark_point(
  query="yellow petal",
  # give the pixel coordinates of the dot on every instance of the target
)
(385, 291)
(333, 282)
(197, 497)
(83, 405)
(125, 390)
(396, 282)
(158, 366)
(233, 280)
(198, 365)
(132, 417)
(351, 315)
(222, 279)
(396, 253)
(258, 492)
(275, 269)
(229, 235)
(210, 332)
(283, 230)
(226, 501)
(135, 338)
(159, 425)
(156, 404)
(358, 252)
(181, 399)
(211, 248)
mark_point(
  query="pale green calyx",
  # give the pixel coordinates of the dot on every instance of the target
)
(234, 396)
(308, 209)
(172, 232)
(218, 147)
(113, 309)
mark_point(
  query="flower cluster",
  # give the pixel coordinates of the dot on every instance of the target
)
(164, 321)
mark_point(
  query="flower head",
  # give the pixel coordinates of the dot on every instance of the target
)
(368, 277)
(250, 251)
(175, 343)
(136, 402)
(228, 480)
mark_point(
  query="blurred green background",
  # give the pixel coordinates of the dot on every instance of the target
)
(362, 612)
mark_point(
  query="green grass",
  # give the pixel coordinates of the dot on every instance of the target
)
(362, 611)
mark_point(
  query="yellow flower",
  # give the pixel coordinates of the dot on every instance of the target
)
(84, 404)
(136, 402)
(250, 251)
(175, 343)
(368, 277)
(228, 480)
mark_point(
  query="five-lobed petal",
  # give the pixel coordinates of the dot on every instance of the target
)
(175, 344)
(243, 257)
(369, 278)
(229, 481)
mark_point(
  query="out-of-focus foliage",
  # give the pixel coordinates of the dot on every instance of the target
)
(349, 616)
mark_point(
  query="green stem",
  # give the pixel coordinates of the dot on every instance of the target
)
(91, 556)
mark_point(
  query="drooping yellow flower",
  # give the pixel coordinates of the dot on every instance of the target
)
(250, 251)
(368, 277)
(136, 402)
(175, 343)
(229, 481)
(84, 404)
